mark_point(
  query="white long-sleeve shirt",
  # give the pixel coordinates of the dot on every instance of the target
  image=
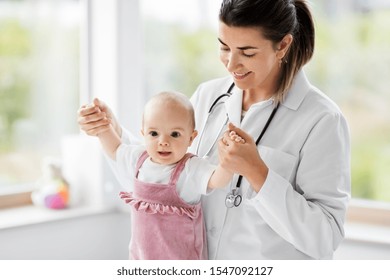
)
(300, 210)
(192, 182)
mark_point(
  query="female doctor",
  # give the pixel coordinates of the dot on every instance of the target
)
(290, 197)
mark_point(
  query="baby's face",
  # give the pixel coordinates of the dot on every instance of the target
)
(168, 132)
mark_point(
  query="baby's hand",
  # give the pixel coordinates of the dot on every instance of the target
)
(236, 138)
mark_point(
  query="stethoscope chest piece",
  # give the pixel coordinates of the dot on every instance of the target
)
(233, 199)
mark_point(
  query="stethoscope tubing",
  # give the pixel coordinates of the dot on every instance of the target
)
(233, 198)
(228, 94)
(238, 184)
(212, 107)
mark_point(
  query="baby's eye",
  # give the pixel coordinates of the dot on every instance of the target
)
(175, 134)
(153, 133)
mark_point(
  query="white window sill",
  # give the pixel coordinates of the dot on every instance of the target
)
(369, 233)
(368, 221)
(31, 215)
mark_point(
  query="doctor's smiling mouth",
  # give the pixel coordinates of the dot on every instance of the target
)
(240, 76)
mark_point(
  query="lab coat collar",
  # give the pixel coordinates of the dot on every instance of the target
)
(293, 99)
(233, 111)
(300, 87)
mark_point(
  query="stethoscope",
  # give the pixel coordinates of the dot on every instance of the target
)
(233, 198)
(213, 106)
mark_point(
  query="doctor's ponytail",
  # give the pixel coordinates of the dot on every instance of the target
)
(301, 49)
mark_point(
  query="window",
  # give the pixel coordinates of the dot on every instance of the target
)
(39, 88)
(181, 47)
(351, 64)
(39, 73)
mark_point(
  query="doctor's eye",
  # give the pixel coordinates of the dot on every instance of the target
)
(153, 133)
(248, 55)
(224, 49)
(175, 134)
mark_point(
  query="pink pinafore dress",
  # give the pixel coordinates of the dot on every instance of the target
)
(164, 227)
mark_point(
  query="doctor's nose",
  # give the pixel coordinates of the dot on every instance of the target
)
(231, 61)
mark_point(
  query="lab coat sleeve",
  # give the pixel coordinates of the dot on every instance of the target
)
(312, 216)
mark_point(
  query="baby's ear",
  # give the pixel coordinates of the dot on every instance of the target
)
(142, 132)
(193, 136)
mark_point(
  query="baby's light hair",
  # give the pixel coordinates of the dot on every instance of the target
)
(177, 97)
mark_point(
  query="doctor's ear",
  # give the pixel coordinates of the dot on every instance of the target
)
(284, 45)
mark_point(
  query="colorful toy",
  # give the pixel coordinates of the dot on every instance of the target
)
(53, 189)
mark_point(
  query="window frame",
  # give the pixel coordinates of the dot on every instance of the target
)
(15, 199)
(369, 212)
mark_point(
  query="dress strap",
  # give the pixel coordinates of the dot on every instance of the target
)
(179, 168)
(140, 161)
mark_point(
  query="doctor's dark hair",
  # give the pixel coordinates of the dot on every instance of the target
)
(275, 19)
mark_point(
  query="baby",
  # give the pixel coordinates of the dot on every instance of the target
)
(167, 218)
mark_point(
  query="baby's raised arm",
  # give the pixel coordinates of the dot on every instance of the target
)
(110, 142)
(109, 139)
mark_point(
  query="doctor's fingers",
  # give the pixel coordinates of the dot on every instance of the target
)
(230, 156)
(229, 146)
(90, 115)
(93, 124)
(97, 130)
(88, 109)
(103, 107)
(93, 129)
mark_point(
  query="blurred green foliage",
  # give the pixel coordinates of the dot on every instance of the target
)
(15, 47)
(179, 58)
(352, 66)
(39, 90)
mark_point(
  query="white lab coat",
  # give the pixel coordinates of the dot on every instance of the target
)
(299, 212)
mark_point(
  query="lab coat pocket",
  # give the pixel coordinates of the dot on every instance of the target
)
(278, 161)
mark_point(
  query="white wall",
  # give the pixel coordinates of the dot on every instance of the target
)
(360, 250)
(106, 237)
(94, 237)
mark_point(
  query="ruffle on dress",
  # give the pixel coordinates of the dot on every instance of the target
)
(153, 208)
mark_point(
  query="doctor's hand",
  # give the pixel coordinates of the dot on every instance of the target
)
(242, 157)
(96, 118)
